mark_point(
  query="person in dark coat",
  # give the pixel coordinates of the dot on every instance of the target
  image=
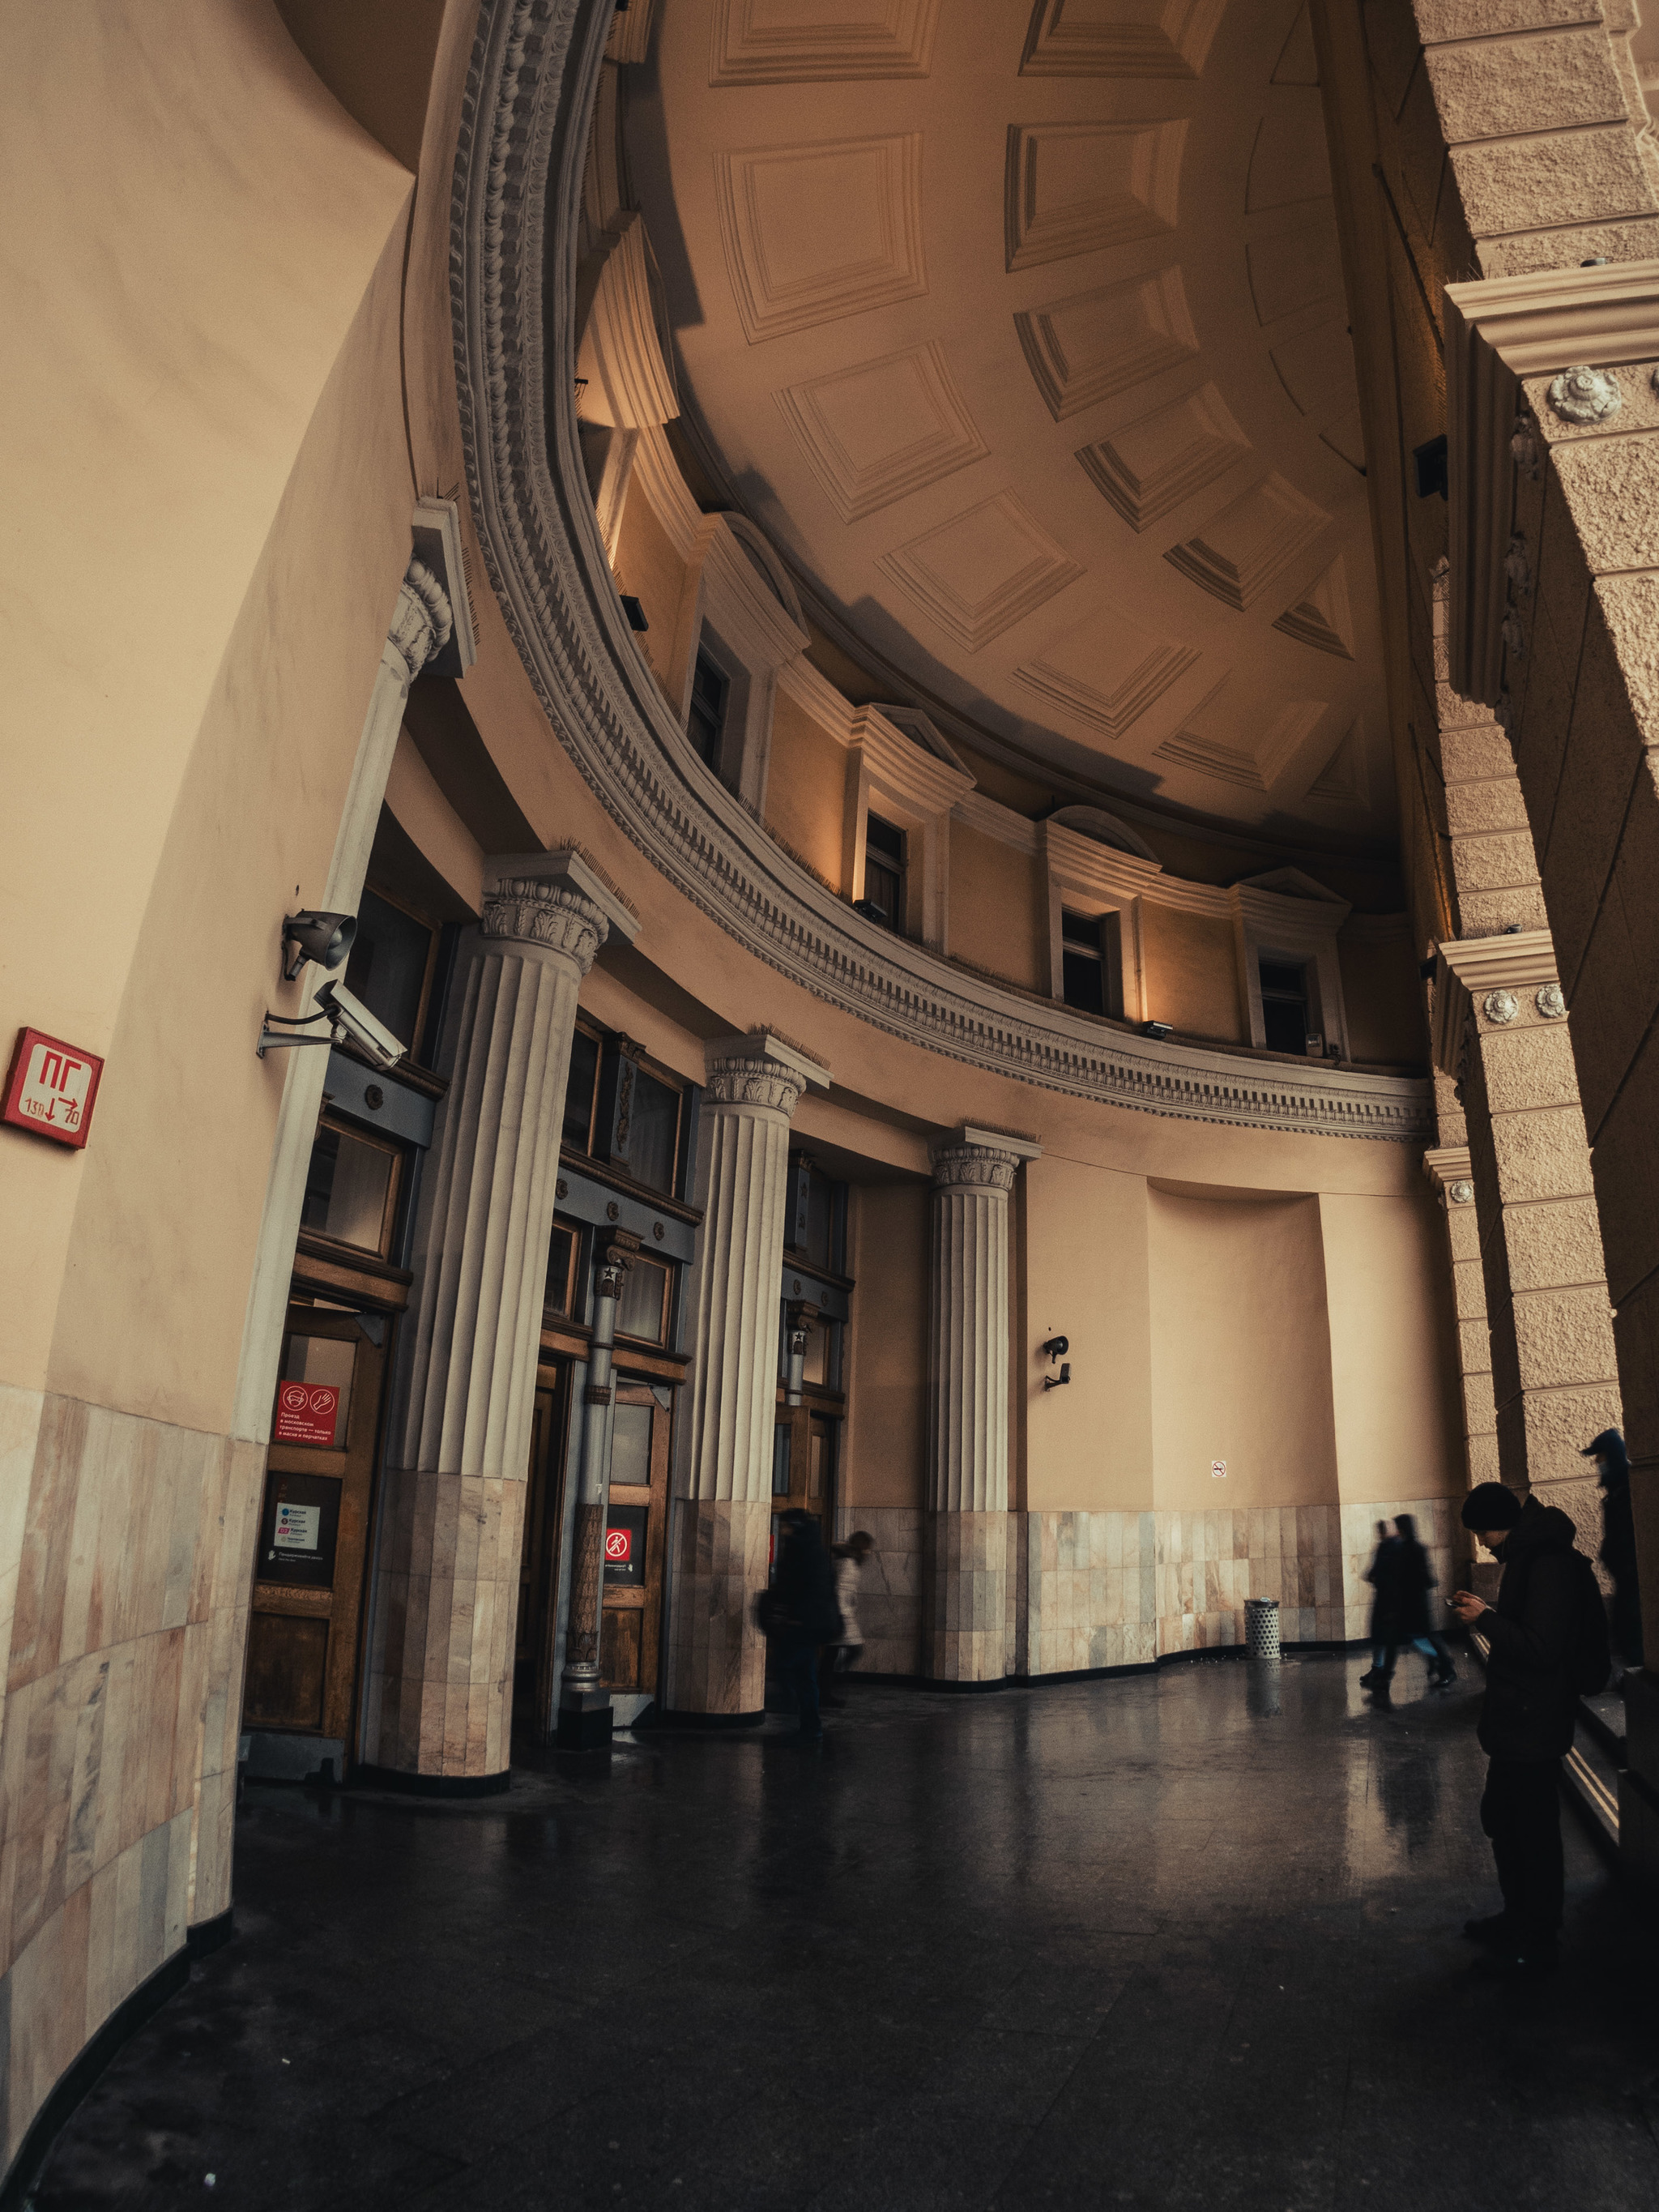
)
(1617, 1552)
(1385, 1538)
(1525, 1716)
(1402, 1578)
(804, 1615)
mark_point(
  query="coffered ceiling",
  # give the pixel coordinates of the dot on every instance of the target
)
(1022, 330)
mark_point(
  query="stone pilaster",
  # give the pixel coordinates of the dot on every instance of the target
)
(1500, 1023)
(439, 1690)
(1449, 1167)
(964, 1615)
(716, 1659)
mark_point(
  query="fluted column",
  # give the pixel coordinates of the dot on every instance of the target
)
(723, 1503)
(439, 1692)
(965, 1614)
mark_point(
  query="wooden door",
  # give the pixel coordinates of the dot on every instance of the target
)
(805, 1444)
(313, 1528)
(535, 1686)
(635, 1540)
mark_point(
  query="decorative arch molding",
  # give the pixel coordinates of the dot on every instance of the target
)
(515, 202)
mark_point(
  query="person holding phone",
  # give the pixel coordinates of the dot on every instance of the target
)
(1526, 1717)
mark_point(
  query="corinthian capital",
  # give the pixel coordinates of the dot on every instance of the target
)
(980, 1160)
(424, 621)
(556, 899)
(552, 914)
(759, 1071)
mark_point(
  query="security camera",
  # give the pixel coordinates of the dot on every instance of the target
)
(352, 1019)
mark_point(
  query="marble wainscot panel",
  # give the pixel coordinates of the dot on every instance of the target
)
(889, 1588)
(130, 1561)
(1121, 1589)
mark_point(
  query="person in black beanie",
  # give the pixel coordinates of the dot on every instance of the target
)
(1617, 1552)
(1525, 1716)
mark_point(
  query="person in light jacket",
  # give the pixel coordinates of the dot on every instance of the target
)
(846, 1652)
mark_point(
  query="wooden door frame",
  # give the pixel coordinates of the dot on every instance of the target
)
(344, 1604)
(646, 1598)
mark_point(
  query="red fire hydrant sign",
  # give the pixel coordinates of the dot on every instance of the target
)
(51, 1088)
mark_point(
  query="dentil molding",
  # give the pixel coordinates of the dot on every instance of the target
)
(515, 203)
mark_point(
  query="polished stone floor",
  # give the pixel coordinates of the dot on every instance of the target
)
(1186, 1940)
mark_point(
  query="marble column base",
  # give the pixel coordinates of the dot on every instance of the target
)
(717, 1563)
(964, 1635)
(439, 1690)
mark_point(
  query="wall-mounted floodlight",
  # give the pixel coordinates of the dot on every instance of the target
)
(1157, 1029)
(1054, 1346)
(324, 938)
(1056, 1382)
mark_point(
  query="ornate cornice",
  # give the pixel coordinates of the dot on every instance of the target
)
(517, 194)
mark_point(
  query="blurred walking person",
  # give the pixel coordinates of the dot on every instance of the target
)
(1373, 1674)
(1403, 1580)
(1617, 1552)
(844, 1655)
(803, 1616)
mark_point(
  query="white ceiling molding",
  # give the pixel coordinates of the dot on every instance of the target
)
(516, 201)
(1498, 331)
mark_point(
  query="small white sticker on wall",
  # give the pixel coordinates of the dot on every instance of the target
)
(1217, 1470)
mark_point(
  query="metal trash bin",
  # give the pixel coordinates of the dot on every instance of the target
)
(1261, 1626)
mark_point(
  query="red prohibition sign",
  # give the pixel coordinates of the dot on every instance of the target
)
(618, 1543)
(295, 1397)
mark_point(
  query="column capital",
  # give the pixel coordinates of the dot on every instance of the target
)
(759, 1070)
(1500, 331)
(554, 899)
(1448, 1169)
(1486, 977)
(422, 621)
(972, 1158)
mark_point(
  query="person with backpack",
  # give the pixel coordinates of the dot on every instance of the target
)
(1402, 1576)
(1548, 1636)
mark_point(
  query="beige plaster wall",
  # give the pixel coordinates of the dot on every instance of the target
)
(1241, 1355)
(648, 566)
(1393, 1348)
(998, 909)
(154, 425)
(806, 789)
(1383, 999)
(1088, 1446)
(1192, 974)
